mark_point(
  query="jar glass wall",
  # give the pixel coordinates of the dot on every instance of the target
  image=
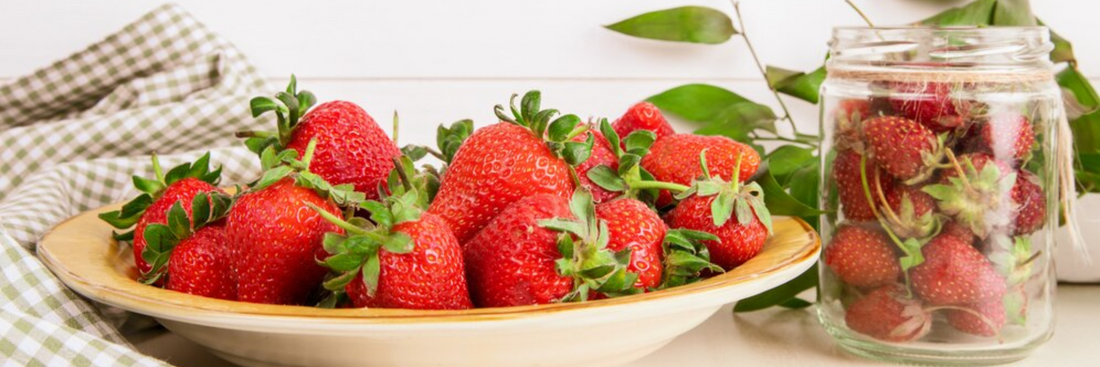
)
(940, 174)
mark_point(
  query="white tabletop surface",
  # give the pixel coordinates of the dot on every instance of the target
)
(774, 337)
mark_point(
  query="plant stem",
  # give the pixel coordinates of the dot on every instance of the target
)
(658, 185)
(785, 139)
(760, 66)
(860, 12)
(395, 124)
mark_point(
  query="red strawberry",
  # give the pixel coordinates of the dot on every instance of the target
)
(191, 251)
(855, 110)
(181, 183)
(643, 116)
(201, 265)
(930, 104)
(275, 240)
(502, 163)
(407, 259)
(911, 211)
(959, 231)
(632, 224)
(984, 318)
(1008, 137)
(675, 158)
(886, 314)
(602, 154)
(849, 185)
(1031, 212)
(511, 261)
(954, 273)
(351, 147)
(709, 206)
(862, 257)
(904, 148)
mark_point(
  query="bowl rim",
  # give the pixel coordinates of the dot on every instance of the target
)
(103, 282)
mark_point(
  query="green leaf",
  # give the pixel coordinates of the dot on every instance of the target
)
(1071, 79)
(575, 153)
(1013, 13)
(803, 186)
(786, 160)
(796, 83)
(977, 13)
(1063, 50)
(696, 102)
(780, 294)
(695, 24)
(414, 152)
(779, 201)
(1086, 132)
(738, 120)
(795, 303)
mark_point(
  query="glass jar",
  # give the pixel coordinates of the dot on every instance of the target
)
(940, 179)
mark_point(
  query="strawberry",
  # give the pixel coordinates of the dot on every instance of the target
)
(910, 212)
(975, 190)
(849, 185)
(959, 231)
(499, 164)
(351, 147)
(985, 318)
(904, 148)
(201, 265)
(643, 116)
(602, 155)
(1031, 204)
(1007, 137)
(930, 104)
(862, 257)
(674, 159)
(511, 261)
(193, 250)
(631, 224)
(886, 314)
(617, 173)
(407, 259)
(954, 273)
(849, 115)
(709, 205)
(181, 183)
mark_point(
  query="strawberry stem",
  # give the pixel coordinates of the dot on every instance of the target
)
(959, 169)
(350, 228)
(644, 184)
(395, 124)
(158, 172)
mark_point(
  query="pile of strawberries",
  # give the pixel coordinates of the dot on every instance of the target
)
(537, 208)
(936, 203)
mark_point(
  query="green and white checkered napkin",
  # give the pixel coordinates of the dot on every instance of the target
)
(73, 133)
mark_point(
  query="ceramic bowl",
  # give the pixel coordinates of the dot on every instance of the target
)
(596, 333)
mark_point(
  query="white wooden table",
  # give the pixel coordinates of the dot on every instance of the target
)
(774, 337)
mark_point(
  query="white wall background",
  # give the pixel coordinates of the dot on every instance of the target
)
(439, 61)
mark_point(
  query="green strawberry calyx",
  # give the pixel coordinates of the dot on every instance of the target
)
(557, 134)
(910, 247)
(153, 189)
(686, 257)
(357, 252)
(977, 199)
(286, 163)
(733, 200)
(289, 107)
(585, 256)
(447, 140)
(161, 239)
(630, 179)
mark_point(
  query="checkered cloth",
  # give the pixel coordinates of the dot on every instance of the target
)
(72, 134)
